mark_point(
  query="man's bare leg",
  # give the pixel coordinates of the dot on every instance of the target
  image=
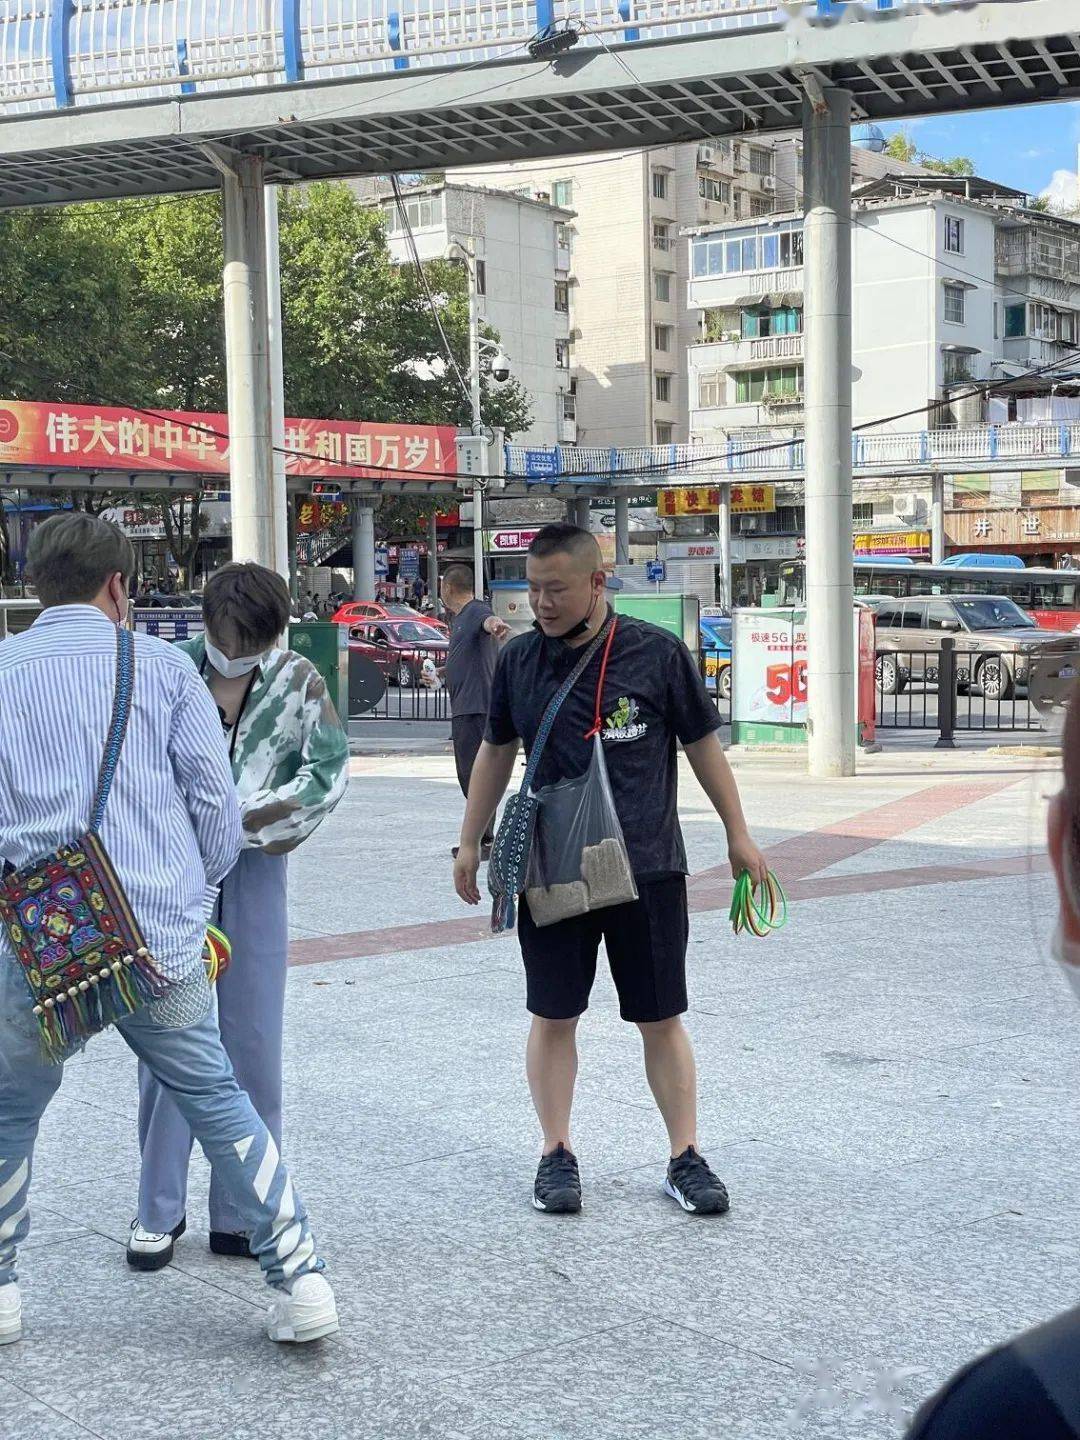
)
(551, 1063)
(672, 1076)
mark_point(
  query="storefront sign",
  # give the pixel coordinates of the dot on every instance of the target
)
(1036, 526)
(704, 549)
(893, 542)
(763, 547)
(320, 514)
(510, 542)
(91, 437)
(705, 500)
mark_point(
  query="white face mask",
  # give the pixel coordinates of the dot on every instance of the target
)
(232, 669)
(1067, 954)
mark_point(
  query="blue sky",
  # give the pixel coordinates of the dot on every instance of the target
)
(1022, 146)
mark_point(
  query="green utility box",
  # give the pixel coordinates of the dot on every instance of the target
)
(681, 614)
(327, 647)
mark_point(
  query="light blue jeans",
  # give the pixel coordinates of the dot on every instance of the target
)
(251, 1010)
(191, 1064)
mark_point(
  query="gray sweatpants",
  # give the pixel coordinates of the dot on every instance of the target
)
(251, 1003)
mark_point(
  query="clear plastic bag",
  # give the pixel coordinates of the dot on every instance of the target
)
(579, 860)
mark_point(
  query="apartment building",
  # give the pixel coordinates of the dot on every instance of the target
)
(632, 323)
(522, 247)
(954, 281)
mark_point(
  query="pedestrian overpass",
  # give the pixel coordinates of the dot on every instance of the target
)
(108, 98)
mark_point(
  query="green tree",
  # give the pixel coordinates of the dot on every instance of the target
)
(66, 323)
(901, 147)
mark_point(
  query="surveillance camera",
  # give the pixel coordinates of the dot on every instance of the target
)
(500, 367)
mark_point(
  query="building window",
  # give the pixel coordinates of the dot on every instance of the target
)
(663, 388)
(661, 237)
(997, 322)
(1067, 327)
(569, 405)
(762, 162)
(481, 277)
(662, 337)
(761, 205)
(710, 390)
(1043, 322)
(562, 236)
(711, 187)
(756, 385)
(562, 354)
(663, 284)
(562, 193)
(659, 184)
(664, 432)
(954, 304)
(1015, 321)
(759, 324)
(954, 235)
(562, 297)
(863, 514)
(956, 368)
(731, 252)
(421, 210)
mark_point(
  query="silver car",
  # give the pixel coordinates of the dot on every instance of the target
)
(996, 642)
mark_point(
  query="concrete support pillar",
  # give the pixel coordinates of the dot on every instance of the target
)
(247, 347)
(829, 540)
(937, 519)
(724, 533)
(363, 548)
(433, 560)
(279, 502)
(577, 511)
(622, 529)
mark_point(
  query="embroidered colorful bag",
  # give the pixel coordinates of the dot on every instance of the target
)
(69, 922)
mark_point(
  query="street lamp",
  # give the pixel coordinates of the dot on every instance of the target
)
(500, 372)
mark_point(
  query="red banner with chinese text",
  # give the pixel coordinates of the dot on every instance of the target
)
(91, 437)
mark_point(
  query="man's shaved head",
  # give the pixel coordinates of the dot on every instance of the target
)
(572, 541)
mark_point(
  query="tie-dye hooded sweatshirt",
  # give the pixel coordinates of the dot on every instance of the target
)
(291, 759)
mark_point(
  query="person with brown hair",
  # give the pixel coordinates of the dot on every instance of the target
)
(290, 763)
(1029, 1388)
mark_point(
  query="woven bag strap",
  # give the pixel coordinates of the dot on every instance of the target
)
(121, 711)
(555, 703)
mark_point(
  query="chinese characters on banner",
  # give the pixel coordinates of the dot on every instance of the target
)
(705, 500)
(90, 437)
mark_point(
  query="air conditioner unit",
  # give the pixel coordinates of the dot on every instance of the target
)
(706, 155)
(768, 182)
(910, 509)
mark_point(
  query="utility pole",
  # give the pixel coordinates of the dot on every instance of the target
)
(477, 425)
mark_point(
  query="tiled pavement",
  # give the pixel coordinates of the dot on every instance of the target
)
(889, 1088)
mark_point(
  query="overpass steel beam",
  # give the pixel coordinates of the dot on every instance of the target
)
(829, 541)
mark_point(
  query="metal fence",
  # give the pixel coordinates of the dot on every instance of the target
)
(955, 690)
(56, 53)
(413, 688)
(910, 450)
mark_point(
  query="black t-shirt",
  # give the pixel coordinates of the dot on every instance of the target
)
(1006, 1394)
(470, 660)
(653, 696)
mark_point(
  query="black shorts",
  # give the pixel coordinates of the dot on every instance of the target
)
(646, 948)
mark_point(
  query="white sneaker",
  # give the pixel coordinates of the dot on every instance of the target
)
(10, 1314)
(149, 1251)
(308, 1313)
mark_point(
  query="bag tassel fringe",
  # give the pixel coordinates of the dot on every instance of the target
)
(107, 995)
(503, 914)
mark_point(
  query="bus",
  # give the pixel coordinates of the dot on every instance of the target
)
(1051, 597)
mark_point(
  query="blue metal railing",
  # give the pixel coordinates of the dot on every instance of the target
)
(1018, 446)
(58, 53)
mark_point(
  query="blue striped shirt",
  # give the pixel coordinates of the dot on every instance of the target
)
(172, 824)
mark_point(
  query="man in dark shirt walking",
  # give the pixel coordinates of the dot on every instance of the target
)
(475, 633)
(652, 696)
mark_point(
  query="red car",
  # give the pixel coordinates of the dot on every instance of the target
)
(399, 648)
(356, 610)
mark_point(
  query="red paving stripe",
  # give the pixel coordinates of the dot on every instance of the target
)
(796, 860)
(802, 855)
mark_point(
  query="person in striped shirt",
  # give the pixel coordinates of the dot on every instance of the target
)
(173, 832)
